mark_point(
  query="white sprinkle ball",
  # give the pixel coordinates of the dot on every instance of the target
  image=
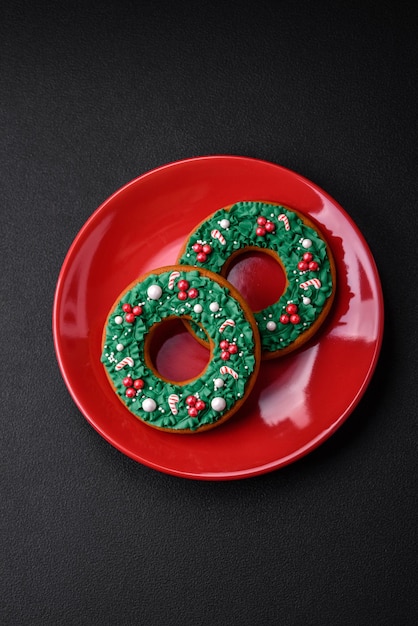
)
(214, 306)
(149, 405)
(118, 319)
(197, 308)
(306, 243)
(306, 300)
(218, 404)
(224, 223)
(154, 292)
(120, 347)
(271, 326)
(218, 382)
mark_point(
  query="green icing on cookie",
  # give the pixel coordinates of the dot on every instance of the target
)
(206, 303)
(283, 232)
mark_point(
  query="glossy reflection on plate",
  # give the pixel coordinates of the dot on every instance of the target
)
(298, 400)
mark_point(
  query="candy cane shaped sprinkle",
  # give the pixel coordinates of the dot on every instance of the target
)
(126, 361)
(228, 370)
(315, 282)
(172, 402)
(217, 235)
(172, 279)
(283, 218)
(226, 324)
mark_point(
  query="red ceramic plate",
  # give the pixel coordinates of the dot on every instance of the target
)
(298, 401)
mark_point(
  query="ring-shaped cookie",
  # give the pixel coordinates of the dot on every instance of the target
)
(212, 303)
(297, 245)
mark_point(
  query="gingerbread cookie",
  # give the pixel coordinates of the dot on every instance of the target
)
(217, 309)
(295, 242)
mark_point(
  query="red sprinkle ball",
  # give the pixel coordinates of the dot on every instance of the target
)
(131, 312)
(195, 405)
(307, 263)
(132, 386)
(291, 314)
(264, 226)
(202, 251)
(227, 349)
(185, 292)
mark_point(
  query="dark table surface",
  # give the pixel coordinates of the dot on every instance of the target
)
(94, 94)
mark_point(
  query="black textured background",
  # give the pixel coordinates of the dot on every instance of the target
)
(93, 94)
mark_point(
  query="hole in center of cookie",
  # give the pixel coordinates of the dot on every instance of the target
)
(258, 276)
(174, 352)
